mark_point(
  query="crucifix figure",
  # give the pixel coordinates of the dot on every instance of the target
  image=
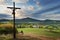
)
(14, 28)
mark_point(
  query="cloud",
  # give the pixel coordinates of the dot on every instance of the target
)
(21, 13)
(4, 16)
(26, 10)
(15, 0)
(31, 8)
(49, 2)
(46, 9)
(18, 13)
(37, 3)
(2, 2)
(34, 0)
(20, 1)
(52, 16)
(2, 8)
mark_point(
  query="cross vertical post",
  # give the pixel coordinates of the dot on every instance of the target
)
(14, 28)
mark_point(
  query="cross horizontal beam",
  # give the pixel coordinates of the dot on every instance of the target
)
(13, 8)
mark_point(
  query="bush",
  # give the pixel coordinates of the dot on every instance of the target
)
(6, 30)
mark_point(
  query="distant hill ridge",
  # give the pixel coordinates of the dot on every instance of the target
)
(21, 20)
(4, 20)
(28, 20)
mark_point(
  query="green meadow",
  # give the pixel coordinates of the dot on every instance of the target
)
(40, 32)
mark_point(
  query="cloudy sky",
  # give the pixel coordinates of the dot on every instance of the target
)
(37, 9)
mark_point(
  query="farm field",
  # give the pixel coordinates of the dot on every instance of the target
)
(40, 33)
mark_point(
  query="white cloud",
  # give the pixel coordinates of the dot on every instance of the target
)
(52, 16)
(15, 0)
(21, 13)
(2, 2)
(2, 8)
(31, 8)
(20, 1)
(38, 3)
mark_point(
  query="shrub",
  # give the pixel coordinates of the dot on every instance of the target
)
(6, 30)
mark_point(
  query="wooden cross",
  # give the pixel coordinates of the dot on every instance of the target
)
(14, 28)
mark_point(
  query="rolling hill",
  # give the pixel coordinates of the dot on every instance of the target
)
(27, 20)
(20, 20)
(31, 20)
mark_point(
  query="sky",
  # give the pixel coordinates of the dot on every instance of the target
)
(37, 9)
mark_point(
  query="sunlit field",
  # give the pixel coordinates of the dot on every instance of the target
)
(40, 32)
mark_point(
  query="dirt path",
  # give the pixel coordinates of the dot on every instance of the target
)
(30, 36)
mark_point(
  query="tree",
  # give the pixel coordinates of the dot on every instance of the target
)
(51, 28)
